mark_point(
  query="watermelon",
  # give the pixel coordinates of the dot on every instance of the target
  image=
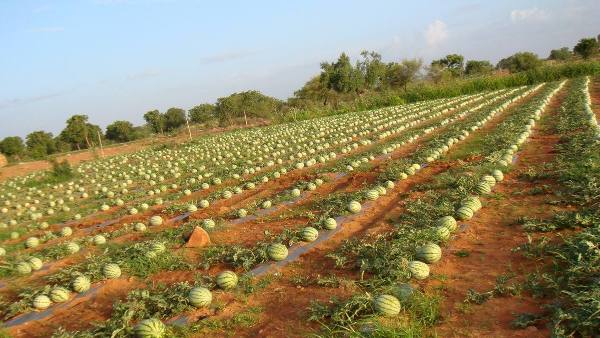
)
(150, 328)
(387, 305)
(192, 208)
(35, 263)
(429, 253)
(139, 227)
(2, 251)
(381, 190)
(72, 247)
(354, 207)
(472, 202)
(266, 204)
(99, 240)
(208, 223)
(418, 270)
(200, 297)
(23, 268)
(296, 192)
(448, 222)
(80, 284)
(41, 302)
(442, 233)
(403, 292)
(227, 280)
(32, 242)
(204, 204)
(489, 179)
(241, 213)
(277, 251)
(59, 294)
(330, 224)
(483, 188)
(111, 271)
(309, 234)
(464, 213)
(498, 175)
(66, 231)
(389, 184)
(372, 194)
(156, 220)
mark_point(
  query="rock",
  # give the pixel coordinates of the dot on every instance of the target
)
(198, 238)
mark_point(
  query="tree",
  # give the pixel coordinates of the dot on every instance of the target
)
(520, 62)
(475, 67)
(562, 54)
(202, 113)
(12, 146)
(40, 144)
(586, 47)
(120, 131)
(174, 118)
(372, 69)
(79, 132)
(249, 103)
(452, 62)
(155, 120)
(341, 76)
(403, 73)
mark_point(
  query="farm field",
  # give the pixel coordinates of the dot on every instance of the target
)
(476, 215)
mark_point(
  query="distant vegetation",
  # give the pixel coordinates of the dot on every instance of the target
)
(340, 87)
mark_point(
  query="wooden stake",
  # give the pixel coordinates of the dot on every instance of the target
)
(187, 121)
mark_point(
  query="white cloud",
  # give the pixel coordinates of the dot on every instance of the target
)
(436, 33)
(529, 14)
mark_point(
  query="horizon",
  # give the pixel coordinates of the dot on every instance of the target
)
(155, 54)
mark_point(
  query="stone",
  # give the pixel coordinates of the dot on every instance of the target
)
(198, 238)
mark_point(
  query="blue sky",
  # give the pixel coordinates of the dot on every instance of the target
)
(116, 59)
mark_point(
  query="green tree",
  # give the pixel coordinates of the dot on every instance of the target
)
(586, 47)
(403, 73)
(454, 63)
(250, 103)
(174, 118)
(78, 132)
(372, 69)
(520, 62)
(341, 76)
(562, 54)
(155, 120)
(12, 146)
(120, 131)
(40, 144)
(202, 113)
(476, 67)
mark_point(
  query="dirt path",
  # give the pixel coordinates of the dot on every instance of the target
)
(485, 246)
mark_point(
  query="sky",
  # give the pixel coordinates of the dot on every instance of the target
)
(117, 59)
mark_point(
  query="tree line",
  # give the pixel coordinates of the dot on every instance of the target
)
(338, 86)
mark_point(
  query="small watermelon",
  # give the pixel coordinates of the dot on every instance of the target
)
(309, 234)
(277, 251)
(448, 222)
(111, 271)
(418, 270)
(99, 240)
(498, 175)
(464, 213)
(354, 207)
(227, 280)
(208, 223)
(59, 294)
(150, 328)
(429, 253)
(139, 227)
(80, 284)
(23, 268)
(200, 297)
(403, 292)
(483, 188)
(35, 263)
(72, 247)
(241, 213)
(387, 305)
(442, 233)
(41, 302)
(330, 224)
(156, 220)
(32, 242)
(372, 194)
(66, 231)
